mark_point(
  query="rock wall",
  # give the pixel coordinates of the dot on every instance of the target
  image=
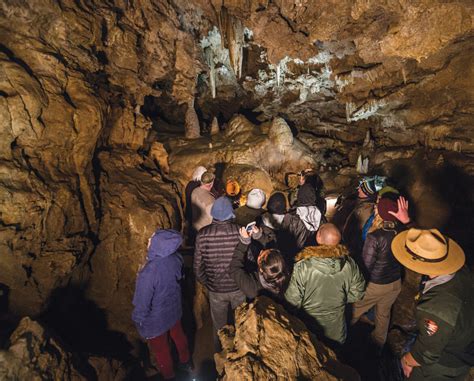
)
(73, 78)
(270, 344)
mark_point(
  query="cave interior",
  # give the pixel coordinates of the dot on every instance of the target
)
(107, 107)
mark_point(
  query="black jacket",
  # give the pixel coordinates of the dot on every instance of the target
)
(248, 282)
(379, 264)
(215, 244)
(289, 234)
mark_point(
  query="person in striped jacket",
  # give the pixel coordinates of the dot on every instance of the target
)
(215, 245)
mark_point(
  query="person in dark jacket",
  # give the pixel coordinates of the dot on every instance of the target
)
(444, 347)
(282, 230)
(253, 208)
(362, 209)
(215, 244)
(157, 300)
(382, 270)
(272, 274)
(325, 278)
(307, 210)
(309, 176)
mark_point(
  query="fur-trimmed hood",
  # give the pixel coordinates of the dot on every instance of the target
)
(322, 251)
(329, 259)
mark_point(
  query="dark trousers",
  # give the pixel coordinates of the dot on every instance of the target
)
(222, 307)
(161, 348)
(436, 372)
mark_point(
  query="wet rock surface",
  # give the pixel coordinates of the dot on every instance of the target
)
(267, 343)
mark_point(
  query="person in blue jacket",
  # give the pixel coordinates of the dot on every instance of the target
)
(157, 301)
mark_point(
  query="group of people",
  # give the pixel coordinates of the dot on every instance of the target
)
(284, 247)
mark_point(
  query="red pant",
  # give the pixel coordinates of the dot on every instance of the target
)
(161, 348)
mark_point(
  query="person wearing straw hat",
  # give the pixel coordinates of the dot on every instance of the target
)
(444, 347)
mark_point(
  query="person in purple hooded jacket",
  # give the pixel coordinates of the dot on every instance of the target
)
(157, 301)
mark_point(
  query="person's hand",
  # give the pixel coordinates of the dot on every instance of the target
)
(243, 233)
(407, 369)
(255, 230)
(402, 213)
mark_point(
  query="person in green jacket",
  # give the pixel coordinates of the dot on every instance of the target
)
(325, 278)
(444, 347)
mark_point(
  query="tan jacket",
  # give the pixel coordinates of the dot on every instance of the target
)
(201, 203)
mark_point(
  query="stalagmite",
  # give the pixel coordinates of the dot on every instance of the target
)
(191, 123)
(214, 126)
(212, 70)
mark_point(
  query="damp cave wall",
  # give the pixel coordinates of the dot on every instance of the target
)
(87, 86)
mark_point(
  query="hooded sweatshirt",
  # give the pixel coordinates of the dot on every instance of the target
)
(325, 278)
(157, 299)
(306, 208)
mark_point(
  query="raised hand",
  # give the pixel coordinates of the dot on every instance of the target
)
(402, 214)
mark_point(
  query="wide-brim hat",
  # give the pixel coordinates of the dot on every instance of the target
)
(428, 252)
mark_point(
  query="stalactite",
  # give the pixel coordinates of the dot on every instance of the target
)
(278, 73)
(191, 123)
(232, 31)
(362, 165)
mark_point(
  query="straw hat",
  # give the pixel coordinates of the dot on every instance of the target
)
(427, 252)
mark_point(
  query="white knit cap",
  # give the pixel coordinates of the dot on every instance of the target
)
(256, 198)
(198, 173)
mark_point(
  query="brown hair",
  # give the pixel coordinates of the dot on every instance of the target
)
(273, 267)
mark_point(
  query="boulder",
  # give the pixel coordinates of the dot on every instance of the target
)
(268, 343)
(36, 354)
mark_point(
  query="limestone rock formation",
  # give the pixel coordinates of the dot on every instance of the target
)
(36, 354)
(270, 344)
(135, 202)
(93, 100)
(270, 148)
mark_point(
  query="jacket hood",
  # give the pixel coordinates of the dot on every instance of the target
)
(273, 221)
(163, 243)
(311, 217)
(332, 257)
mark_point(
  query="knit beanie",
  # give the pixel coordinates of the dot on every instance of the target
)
(306, 195)
(371, 185)
(277, 203)
(222, 209)
(198, 173)
(386, 205)
(389, 192)
(207, 177)
(256, 198)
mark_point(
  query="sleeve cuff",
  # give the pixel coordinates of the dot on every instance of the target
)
(245, 241)
(417, 356)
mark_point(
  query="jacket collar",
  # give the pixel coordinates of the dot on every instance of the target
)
(217, 222)
(322, 251)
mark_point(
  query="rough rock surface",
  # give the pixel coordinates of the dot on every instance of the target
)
(267, 151)
(270, 344)
(36, 354)
(88, 87)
